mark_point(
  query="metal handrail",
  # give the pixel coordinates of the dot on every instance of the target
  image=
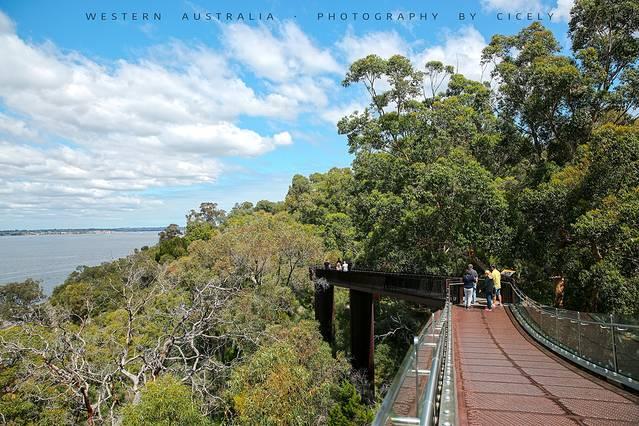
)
(426, 403)
(543, 307)
(607, 366)
(373, 271)
(391, 395)
(448, 397)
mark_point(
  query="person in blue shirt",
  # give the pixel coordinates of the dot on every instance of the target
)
(469, 284)
(472, 271)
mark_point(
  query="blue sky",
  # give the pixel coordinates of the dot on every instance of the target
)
(133, 123)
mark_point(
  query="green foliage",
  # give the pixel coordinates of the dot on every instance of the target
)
(89, 291)
(171, 249)
(241, 209)
(170, 232)
(165, 402)
(208, 213)
(608, 280)
(584, 215)
(604, 39)
(199, 231)
(17, 299)
(254, 310)
(311, 199)
(325, 200)
(288, 380)
(349, 410)
(339, 235)
(269, 206)
(541, 93)
(26, 397)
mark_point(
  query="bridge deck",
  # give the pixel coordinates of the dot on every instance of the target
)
(503, 378)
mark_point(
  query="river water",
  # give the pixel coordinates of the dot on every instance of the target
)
(51, 258)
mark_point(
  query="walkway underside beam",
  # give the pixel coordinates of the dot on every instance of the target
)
(423, 289)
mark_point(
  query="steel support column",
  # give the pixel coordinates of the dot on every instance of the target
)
(362, 336)
(324, 310)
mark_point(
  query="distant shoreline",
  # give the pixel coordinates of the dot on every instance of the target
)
(72, 231)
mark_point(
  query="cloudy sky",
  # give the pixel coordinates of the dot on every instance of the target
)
(133, 123)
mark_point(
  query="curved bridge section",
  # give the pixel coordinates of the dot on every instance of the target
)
(505, 377)
(525, 363)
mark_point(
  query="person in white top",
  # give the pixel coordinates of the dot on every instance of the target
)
(345, 267)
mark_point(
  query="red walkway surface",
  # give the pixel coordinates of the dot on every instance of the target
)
(503, 378)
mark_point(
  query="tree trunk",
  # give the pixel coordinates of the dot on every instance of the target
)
(87, 404)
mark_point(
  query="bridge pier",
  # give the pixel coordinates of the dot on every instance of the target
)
(324, 311)
(363, 336)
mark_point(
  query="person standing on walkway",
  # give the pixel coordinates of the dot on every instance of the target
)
(469, 282)
(489, 287)
(344, 266)
(472, 271)
(497, 283)
(338, 266)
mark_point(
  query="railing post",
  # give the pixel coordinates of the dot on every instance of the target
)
(415, 344)
(557, 324)
(614, 344)
(579, 333)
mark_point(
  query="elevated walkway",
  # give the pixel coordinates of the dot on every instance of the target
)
(522, 364)
(505, 378)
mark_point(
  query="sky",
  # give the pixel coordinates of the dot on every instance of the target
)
(124, 123)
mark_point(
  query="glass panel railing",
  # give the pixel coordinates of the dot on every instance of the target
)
(596, 344)
(567, 334)
(387, 408)
(416, 372)
(627, 349)
(594, 338)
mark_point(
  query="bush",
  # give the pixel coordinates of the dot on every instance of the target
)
(17, 298)
(288, 380)
(164, 402)
(349, 409)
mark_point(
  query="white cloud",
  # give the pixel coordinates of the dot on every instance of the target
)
(333, 115)
(461, 49)
(278, 58)
(562, 10)
(6, 25)
(383, 44)
(128, 128)
(511, 5)
(17, 128)
(228, 140)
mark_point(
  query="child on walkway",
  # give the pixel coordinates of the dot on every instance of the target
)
(489, 287)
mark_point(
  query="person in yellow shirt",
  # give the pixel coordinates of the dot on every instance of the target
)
(497, 283)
